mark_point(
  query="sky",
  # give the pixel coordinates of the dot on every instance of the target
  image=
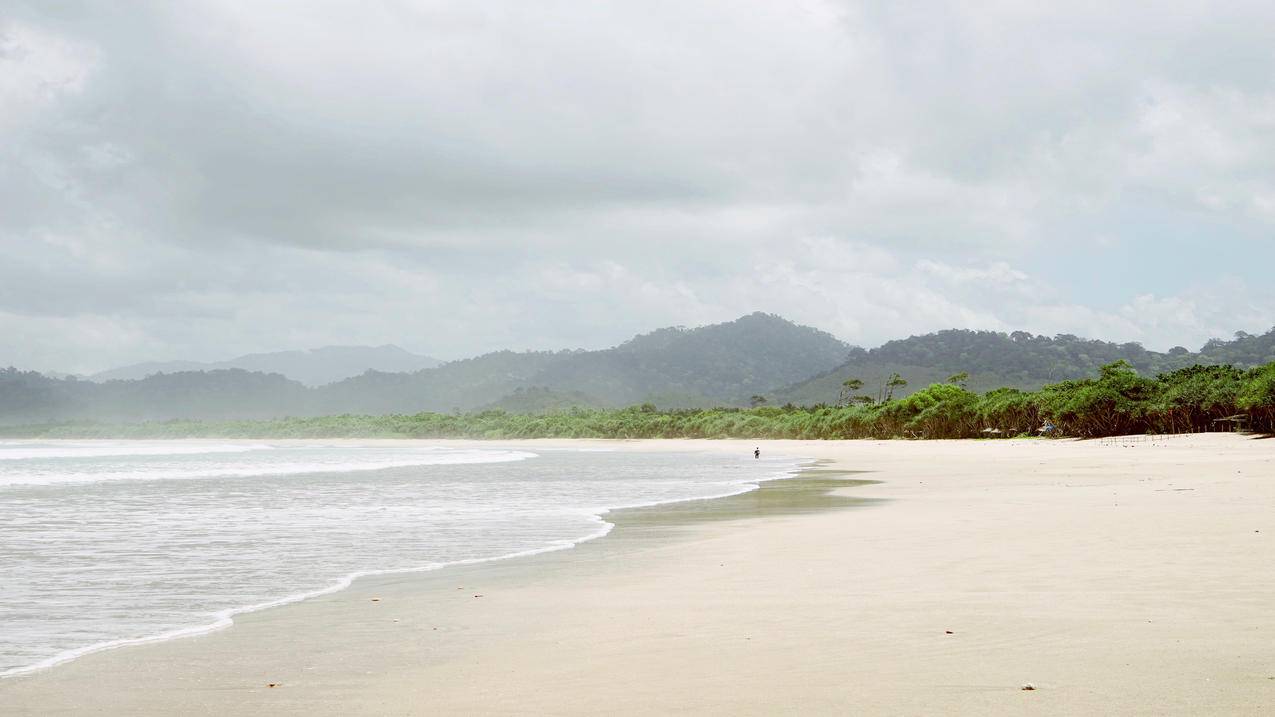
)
(203, 179)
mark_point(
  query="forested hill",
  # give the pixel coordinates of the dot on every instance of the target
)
(1017, 360)
(28, 397)
(722, 364)
(1246, 350)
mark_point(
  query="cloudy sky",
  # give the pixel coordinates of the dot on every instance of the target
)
(203, 179)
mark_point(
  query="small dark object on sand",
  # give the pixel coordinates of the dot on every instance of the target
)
(273, 684)
(478, 596)
(1028, 687)
(948, 632)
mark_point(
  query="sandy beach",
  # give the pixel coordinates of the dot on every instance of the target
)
(1115, 577)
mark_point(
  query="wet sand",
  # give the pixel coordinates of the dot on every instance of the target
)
(894, 578)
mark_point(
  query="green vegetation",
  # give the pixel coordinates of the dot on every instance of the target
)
(991, 359)
(1117, 401)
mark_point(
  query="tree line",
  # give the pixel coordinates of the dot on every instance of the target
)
(1117, 401)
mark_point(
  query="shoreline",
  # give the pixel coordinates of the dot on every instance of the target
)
(225, 618)
(1116, 579)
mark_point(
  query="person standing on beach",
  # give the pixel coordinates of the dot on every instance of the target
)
(757, 452)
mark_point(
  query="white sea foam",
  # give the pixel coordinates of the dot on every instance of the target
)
(142, 561)
(225, 618)
(46, 474)
(25, 450)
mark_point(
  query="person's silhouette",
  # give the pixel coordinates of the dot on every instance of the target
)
(757, 452)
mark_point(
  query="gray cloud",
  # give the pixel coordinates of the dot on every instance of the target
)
(208, 178)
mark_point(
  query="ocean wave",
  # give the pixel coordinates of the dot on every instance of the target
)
(56, 475)
(211, 622)
(40, 450)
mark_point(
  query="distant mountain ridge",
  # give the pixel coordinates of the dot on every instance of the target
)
(312, 367)
(718, 365)
(721, 364)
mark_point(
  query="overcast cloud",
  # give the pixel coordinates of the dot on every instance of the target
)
(203, 179)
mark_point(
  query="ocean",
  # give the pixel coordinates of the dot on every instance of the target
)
(109, 543)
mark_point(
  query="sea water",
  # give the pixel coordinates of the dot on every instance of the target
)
(109, 543)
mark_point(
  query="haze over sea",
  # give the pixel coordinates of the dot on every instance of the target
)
(103, 543)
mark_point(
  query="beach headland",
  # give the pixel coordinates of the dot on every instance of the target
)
(1114, 578)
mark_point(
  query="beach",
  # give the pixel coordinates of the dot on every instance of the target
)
(941, 577)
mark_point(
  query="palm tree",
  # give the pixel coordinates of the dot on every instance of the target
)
(849, 387)
(895, 381)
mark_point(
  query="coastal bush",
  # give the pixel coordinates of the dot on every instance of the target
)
(1256, 396)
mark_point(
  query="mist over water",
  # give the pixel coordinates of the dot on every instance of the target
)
(103, 542)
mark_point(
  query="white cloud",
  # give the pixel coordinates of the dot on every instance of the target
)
(217, 177)
(37, 69)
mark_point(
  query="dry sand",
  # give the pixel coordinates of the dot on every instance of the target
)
(1117, 579)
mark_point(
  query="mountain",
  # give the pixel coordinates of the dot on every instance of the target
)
(718, 365)
(313, 367)
(29, 397)
(1247, 350)
(456, 385)
(133, 372)
(538, 399)
(1017, 360)
(721, 364)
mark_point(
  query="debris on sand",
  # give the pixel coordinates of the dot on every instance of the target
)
(1028, 687)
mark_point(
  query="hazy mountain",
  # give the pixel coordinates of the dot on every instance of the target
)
(1247, 350)
(1019, 360)
(456, 385)
(133, 372)
(538, 399)
(719, 364)
(29, 397)
(722, 364)
(61, 374)
(313, 367)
